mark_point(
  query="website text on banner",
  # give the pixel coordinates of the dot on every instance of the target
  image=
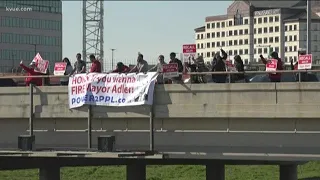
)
(272, 65)
(42, 65)
(111, 89)
(170, 70)
(59, 68)
(305, 61)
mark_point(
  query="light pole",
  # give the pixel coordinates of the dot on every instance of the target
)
(112, 58)
(309, 21)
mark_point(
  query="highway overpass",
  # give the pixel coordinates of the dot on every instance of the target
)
(207, 119)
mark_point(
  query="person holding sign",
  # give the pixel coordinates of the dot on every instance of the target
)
(276, 63)
(32, 72)
(64, 81)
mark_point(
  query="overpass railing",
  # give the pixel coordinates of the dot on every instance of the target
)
(151, 115)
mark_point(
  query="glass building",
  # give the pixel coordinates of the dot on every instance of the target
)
(29, 27)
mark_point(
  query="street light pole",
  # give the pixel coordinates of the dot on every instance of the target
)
(309, 26)
(112, 58)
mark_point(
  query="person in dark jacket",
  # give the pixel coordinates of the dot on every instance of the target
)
(218, 65)
(274, 77)
(173, 59)
(240, 68)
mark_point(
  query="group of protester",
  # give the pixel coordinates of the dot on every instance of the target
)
(193, 65)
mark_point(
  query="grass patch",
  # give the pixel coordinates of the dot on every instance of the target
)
(305, 172)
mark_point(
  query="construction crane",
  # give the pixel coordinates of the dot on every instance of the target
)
(93, 12)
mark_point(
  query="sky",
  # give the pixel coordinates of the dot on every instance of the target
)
(149, 27)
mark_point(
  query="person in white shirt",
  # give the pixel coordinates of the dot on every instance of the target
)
(64, 81)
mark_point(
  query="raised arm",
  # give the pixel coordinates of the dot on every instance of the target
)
(153, 68)
(224, 54)
(264, 61)
(133, 69)
(25, 67)
(291, 64)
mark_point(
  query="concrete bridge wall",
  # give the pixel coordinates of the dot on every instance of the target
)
(203, 117)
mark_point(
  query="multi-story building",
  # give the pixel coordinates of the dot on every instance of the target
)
(28, 27)
(250, 29)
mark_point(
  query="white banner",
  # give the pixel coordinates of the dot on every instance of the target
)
(111, 89)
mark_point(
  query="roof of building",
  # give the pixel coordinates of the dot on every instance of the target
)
(276, 4)
(200, 29)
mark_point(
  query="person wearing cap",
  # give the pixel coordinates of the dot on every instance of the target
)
(31, 72)
(96, 65)
(142, 65)
(274, 77)
(121, 68)
(79, 66)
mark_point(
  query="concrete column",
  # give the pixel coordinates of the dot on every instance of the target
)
(288, 172)
(215, 172)
(49, 173)
(282, 37)
(251, 34)
(136, 171)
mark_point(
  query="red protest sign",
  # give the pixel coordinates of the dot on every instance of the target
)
(59, 68)
(189, 48)
(305, 61)
(170, 70)
(272, 65)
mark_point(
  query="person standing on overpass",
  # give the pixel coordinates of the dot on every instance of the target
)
(96, 65)
(274, 77)
(142, 65)
(79, 66)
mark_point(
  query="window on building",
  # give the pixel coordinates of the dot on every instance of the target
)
(235, 52)
(208, 54)
(223, 34)
(246, 41)
(208, 35)
(265, 20)
(223, 43)
(246, 51)
(235, 42)
(255, 21)
(276, 49)
(290, 49)
(212, 53)
(295, 37)
(201, 36)
(290, 38)
(255, 51)
(218, 44)
(276, 39)
(198, 36)
(270, 19)
(240, 52)
(286, 38)
(290, 28)
(238, 19)
(223, 24)
(218, 24)
(230, 33)
(254, 40)
(285, 28)
(201, 45)
(259, 20)
(294, 48)
(208, 26)
(235, 32)
(213, 44)
(246, 21)
(230, 52)
(254, 31)
(213, 35)
(259, 50)
(265, 50)
(230, 43)
(259, 40)
(240, 32)
(198, 46)
(218, 34)
(276, 19)
(276, 29)
(270, 29)
(213, 25)
(246, 31)
(230, 23)
(240, 42)
(259, 30)
(286, 49)
(265, 40)
(265, 30)
(208, 45)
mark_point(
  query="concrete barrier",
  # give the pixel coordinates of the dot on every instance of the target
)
(193, 117)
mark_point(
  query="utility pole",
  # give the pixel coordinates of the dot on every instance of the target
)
(112, 58)
(309, 26)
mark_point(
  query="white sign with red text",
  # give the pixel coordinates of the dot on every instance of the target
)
(230, 66)
(305, 61)
(59, 68)
(42, 65)
(170, 70)
(111, 89)
(189, 51)
(272, 65)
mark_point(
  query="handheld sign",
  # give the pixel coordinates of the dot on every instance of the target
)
(230, 66)
(42, 65)
(189, 52)
(170, 70)
(59, 68)
(305, 61)
(272, 65)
